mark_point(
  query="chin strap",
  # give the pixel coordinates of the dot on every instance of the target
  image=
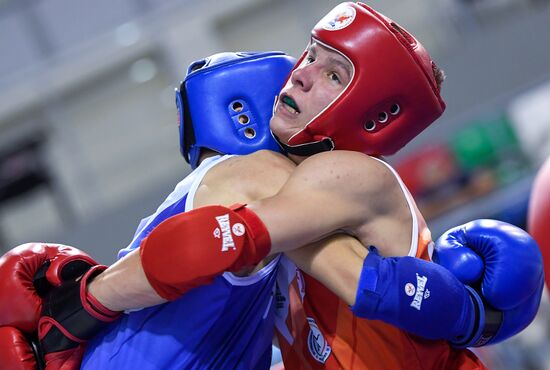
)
(307, 149)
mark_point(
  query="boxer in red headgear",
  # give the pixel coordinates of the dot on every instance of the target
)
(392, 94)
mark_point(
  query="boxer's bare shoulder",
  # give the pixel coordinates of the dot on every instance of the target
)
(243, 179)
(336, 191)
(346, 176)
(369, 192)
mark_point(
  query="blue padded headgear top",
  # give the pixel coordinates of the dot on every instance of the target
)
(226, 101)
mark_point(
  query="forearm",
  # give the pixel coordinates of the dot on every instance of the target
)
(374, 287)
(124, 286)
(299, 216)
(336, 262)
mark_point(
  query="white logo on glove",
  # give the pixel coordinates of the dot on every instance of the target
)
(410, 289)
(238, 229)
(227, 238)
(420, 287)
(427, 294)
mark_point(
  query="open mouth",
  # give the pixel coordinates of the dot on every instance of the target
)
(290, 104)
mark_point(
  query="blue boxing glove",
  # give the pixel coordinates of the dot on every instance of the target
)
(504, 264)
(418, 296)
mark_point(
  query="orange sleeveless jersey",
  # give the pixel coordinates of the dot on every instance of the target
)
(317, 330)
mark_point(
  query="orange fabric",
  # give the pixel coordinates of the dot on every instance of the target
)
(325, 330)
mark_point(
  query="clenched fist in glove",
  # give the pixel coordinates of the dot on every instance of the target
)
(504, 264)
(43, 296)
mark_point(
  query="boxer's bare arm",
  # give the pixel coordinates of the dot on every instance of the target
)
(124, 286)
(338, 191)
(336, 262)
(328, 192)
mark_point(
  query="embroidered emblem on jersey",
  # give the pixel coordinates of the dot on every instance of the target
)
(316, 343)
(225, 229)
(421, 291)
(339, 18)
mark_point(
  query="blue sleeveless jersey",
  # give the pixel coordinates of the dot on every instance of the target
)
(225, 325)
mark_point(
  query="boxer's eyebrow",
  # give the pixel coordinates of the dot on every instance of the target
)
(343, 65)
(312, 49)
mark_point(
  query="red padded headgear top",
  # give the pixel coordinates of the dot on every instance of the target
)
(392, 95)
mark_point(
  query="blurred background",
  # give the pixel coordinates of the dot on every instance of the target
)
(88, 137)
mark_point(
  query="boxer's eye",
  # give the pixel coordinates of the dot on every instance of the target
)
(333, 76)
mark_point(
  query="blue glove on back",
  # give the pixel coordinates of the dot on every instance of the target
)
(417, 296)
(502, 262)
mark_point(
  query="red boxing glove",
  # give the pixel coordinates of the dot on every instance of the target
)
(17, 271)
(191, 248)
(47, 285)
(16, 353)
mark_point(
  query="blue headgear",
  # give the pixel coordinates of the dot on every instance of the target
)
(226, 101)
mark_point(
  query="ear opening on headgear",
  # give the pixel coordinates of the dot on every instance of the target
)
(395, 109)
(243, 119)
(250, 133)
(237, 106)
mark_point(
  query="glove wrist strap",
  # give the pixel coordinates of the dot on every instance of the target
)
(71, 316)
(486, 325)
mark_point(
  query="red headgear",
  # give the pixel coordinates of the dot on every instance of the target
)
(392, 95)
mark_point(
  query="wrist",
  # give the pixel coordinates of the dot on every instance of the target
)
(93, 304)
(96, 289)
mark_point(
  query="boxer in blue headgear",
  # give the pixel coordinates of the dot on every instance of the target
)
(224, 104)
(220, 110)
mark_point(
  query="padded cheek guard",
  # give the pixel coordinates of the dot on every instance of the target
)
(392, 95)
(225, 103)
